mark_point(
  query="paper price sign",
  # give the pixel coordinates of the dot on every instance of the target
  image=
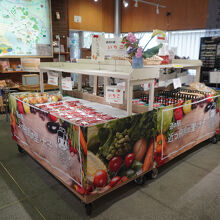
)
(177, 83)
(67, 84)
(114, 94)
(52, 78)
(114, 47)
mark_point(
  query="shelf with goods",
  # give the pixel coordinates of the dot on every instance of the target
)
(119, 69)
(94, 148)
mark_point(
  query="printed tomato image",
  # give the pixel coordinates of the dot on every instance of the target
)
(129, 159)
(114, 181)
(115, 164)
(100, 178)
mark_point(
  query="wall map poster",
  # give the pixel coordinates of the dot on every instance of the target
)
(25, 28)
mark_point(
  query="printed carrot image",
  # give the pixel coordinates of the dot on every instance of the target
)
(149, 157)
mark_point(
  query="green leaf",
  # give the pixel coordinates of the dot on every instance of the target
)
(152, 51)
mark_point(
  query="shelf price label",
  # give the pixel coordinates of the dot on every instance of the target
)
(52, 78)
(114, 94)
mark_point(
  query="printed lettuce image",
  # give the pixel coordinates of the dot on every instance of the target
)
(167, 113)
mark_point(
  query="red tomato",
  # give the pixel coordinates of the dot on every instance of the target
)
(115, 164)
(178, 114)
(114, 181)
(129, 159)
(100, 178)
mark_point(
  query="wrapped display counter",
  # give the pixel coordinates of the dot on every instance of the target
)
(94, 148)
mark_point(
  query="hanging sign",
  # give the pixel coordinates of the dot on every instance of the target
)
(177, 83)
(98, 48)
(67, 84)
(114, 94)
(52, 78)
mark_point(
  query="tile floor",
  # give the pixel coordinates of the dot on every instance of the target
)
(186, 188)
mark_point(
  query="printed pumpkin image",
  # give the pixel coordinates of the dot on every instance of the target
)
(96, 170)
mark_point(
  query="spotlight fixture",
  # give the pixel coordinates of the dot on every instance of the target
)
(95, 0)
(157, 10)
(136, 4)
(157, 5)
(125, 3)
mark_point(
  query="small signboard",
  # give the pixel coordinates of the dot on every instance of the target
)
(114, 94)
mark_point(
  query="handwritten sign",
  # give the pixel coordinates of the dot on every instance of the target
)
(52, 78)
(114, 94)
(67, 84)
(98, 48)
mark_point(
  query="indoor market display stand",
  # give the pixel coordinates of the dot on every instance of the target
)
(95, 159)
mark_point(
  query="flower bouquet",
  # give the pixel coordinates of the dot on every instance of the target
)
(135, 52)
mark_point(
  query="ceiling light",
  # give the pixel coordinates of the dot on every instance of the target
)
(125, 4)
(95, 0)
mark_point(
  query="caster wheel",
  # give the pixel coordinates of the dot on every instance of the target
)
(88, 208)
(20, 149)
(154, 173)
(140, 180)
(214, 139)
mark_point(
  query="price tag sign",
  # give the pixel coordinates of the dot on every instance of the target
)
(177, 83)
(114, 94)
(114, 47)
(52, 78)
(67, 84)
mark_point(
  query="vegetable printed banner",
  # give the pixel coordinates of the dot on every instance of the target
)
(90, 160)
(119, 150)
(54, 143)
(94, 159)
(185, 125)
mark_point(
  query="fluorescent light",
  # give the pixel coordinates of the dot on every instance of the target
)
(125, 4)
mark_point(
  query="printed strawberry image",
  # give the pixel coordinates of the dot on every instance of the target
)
(20, 107)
